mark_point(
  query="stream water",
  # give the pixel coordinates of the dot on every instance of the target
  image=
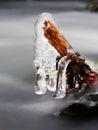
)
(20, 107)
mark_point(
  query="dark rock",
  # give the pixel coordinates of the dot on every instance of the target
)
(82, 103)
(93, 6)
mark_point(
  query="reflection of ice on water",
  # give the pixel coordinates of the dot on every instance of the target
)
(44, 58)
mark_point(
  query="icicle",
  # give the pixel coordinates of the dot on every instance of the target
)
(44, 55)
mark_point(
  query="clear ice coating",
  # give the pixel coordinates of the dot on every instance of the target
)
(45, 59)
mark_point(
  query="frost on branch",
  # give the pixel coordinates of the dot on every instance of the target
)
(58, 66)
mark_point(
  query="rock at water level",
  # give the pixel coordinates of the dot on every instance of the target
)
(82, 103)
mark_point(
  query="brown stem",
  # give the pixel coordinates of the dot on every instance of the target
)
(55, 38)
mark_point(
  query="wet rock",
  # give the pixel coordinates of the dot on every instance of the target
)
(82, 103)
(92, 6)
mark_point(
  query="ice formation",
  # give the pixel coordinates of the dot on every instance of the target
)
(44, 58)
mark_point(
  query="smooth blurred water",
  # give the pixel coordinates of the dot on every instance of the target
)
(20, 108)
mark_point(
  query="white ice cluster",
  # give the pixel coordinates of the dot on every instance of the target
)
(44, 59)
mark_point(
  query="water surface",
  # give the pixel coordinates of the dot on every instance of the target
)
(20, 108)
